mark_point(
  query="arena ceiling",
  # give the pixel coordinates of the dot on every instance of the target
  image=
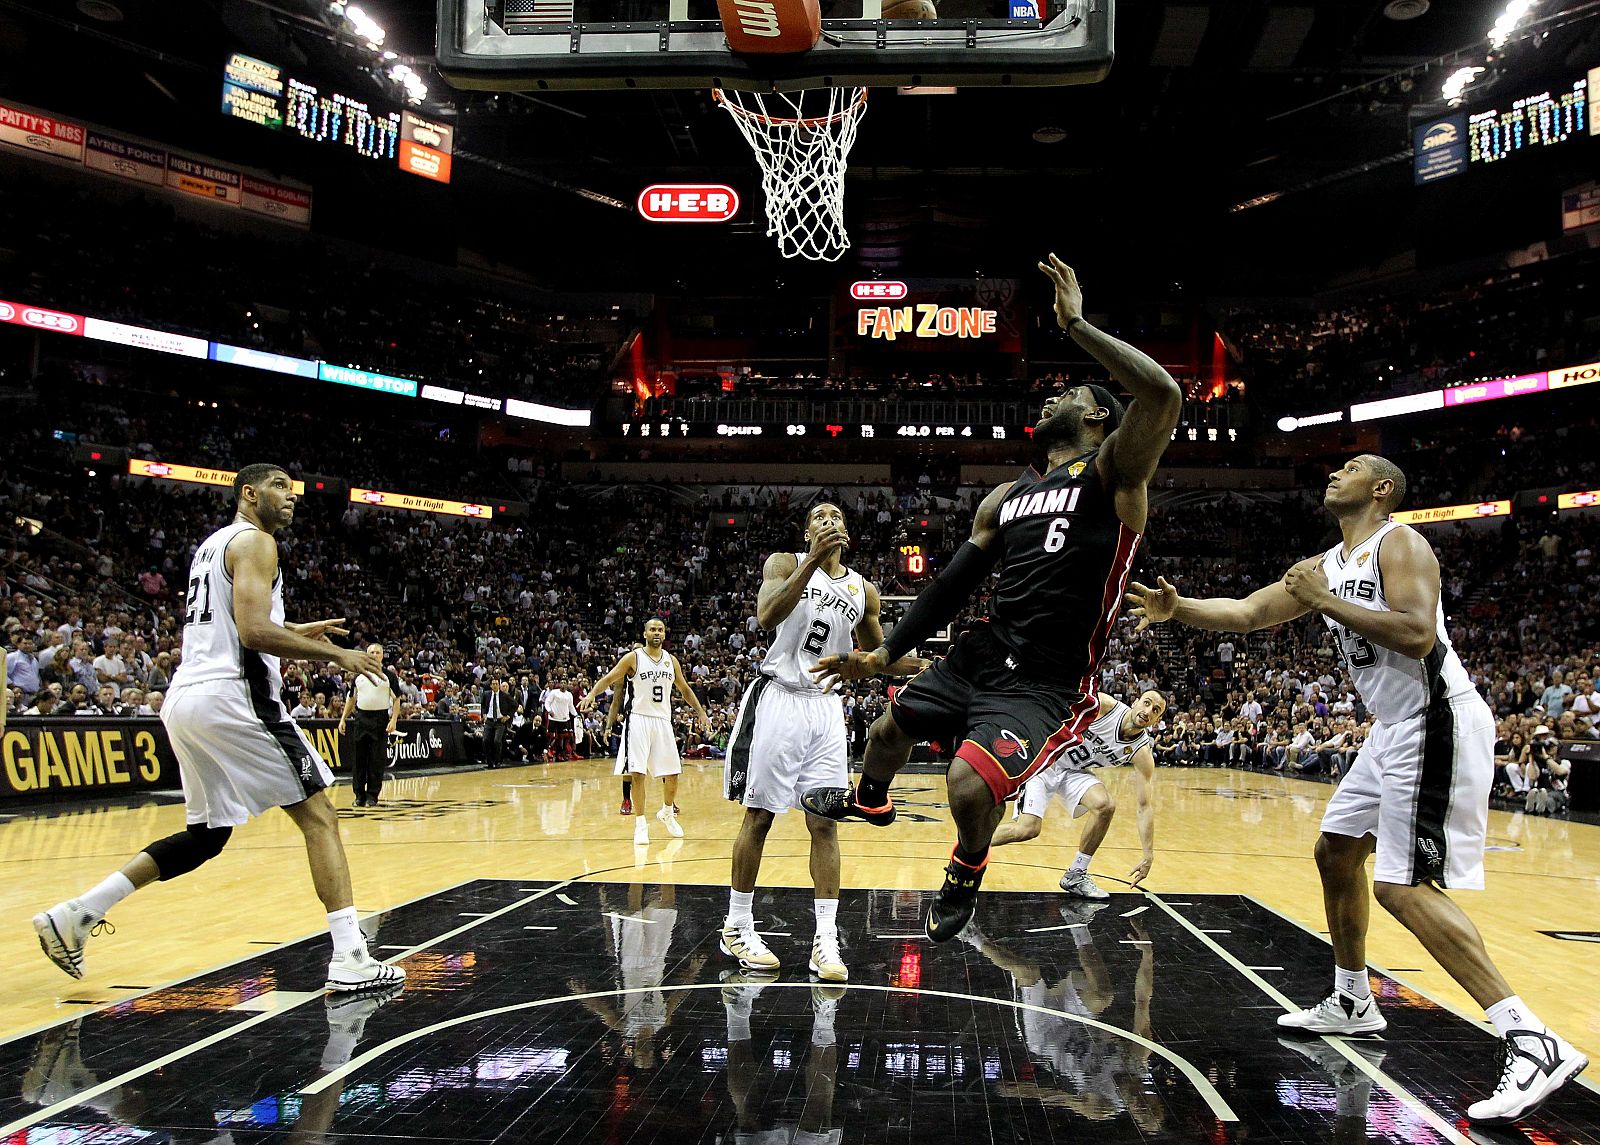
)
(1209, 105)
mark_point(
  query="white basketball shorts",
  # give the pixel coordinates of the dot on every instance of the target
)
(238, 758)
(1421, 788)
(648, 748)
(784, 743)
(1059, 783)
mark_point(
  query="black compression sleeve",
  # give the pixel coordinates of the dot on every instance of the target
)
(938, 604)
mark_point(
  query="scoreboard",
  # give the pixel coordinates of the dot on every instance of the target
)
(264, 94)
(1530, 122)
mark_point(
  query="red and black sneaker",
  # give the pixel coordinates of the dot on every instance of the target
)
(839, 804)
(953, 905)
(627, 807)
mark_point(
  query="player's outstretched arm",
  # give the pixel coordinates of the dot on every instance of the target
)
(1131, 451)
(1261, 609)
(611, 679)
(252, 561)
(1409, 573)
(935, 607)
(1144, 772)
(869, 634)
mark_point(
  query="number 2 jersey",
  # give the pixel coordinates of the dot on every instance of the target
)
(212, 649)
(1065, 558)
(823, 623)
(1393, 686)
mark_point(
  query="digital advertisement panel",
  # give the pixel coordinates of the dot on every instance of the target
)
(942, 314)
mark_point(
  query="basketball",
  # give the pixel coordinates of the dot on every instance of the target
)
(911, 10)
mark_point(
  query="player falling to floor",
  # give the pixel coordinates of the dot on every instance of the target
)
(1019, 689)
(1119, 736)
(790, 735)
(649, 748)
(238, 752)
(1418, 792)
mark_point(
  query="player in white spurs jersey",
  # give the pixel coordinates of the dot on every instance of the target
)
(1418, 791)
(649, 747)
(1119, 735)
(790, 734)
(238, 752)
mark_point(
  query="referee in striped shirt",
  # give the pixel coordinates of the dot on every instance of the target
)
(375, 700)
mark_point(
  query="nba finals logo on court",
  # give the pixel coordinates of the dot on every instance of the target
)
(1076, 468)
(1009, 744)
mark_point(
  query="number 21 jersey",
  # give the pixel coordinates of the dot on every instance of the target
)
(211, 646)
(822, 624)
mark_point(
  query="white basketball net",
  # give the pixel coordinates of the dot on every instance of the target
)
(803, 159)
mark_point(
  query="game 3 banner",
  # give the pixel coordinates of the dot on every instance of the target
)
(53, 759)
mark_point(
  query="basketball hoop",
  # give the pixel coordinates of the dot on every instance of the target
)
(803, 160)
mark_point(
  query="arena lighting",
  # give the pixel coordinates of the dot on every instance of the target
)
(1290, 423)
(1471, 393)
(1456, 85)
(1452, 513)
(1514, 14)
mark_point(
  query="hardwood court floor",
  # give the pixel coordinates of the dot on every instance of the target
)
(1218, 832)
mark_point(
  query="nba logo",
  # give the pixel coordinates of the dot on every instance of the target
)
(1024, 9)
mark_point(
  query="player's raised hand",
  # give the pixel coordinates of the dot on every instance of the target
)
(586, 705)
(829, 537)
(1152, 605)
(320, 629)
(1069, 295)
(831, 671)
(361, 661)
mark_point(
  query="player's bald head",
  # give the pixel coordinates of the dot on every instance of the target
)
(1382, 469)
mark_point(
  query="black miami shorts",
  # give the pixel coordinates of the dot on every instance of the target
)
(1009, 727)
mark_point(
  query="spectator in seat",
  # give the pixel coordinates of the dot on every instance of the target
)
(1555, 696)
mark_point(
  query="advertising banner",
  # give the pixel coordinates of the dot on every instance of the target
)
(126, 159)
(42, 134)
(203, 180)
(425, 147)
(286, 204)
(1439, 148)
(940, 314)
(379, 499)
(427, 743)
(140, 467)
(1452, 513)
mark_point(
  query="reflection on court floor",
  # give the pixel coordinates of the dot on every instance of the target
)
(597, 1011)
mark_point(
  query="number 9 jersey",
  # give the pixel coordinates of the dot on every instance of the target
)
(822, 624)
(1394, 687)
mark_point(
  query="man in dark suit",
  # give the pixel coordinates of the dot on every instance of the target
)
(525, 698)
(497, 706)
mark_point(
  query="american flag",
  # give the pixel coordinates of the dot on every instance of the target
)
(539, 11)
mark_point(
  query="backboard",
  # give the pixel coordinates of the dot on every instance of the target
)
(560, 45)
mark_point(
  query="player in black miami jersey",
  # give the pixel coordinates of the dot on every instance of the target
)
(1020, 689)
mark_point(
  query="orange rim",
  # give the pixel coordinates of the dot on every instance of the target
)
(789, 120)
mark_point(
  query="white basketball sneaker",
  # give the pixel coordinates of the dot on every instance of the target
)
(743, 943)
(357, 970)
(667, 816)
(1078, 884)
(63, 930)
(826, 962)
(1533, 1065)
(1338, 1013)
(641, 831)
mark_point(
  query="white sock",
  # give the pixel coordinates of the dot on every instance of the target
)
(827, 916)
(106, 894)
(739, 907)
(346, 931)
(1081, 863)
(1352, 982)
(1512, 1014)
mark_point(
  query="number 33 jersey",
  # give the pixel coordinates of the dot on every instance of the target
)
(211, 646)
(1393, 686)
(822, 624)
